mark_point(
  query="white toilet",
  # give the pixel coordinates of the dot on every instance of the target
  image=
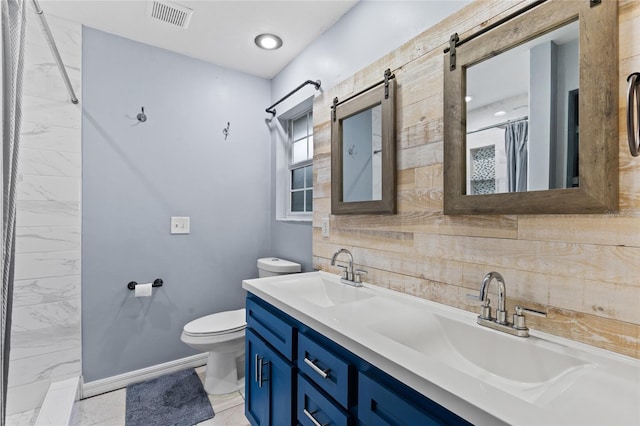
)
(222, 335)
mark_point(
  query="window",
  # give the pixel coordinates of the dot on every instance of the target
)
(300, 144)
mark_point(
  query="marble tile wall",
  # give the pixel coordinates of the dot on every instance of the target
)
(45, 339)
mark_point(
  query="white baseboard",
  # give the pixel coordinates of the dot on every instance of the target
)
(122, 380)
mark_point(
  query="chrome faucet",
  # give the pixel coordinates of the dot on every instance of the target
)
(518, 327)
(349, 276)
(501, 313)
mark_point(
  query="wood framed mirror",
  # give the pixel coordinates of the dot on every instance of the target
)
(555, 148)
(363, 151)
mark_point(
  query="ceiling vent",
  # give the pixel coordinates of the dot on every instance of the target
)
(170, 13)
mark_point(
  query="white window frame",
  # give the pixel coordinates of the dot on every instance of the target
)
(299, 165)
(283, 157)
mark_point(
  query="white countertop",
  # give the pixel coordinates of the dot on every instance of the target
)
(596, 387)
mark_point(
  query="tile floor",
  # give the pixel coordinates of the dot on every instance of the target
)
(109, 410)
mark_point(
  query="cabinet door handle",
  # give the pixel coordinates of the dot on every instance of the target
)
(310, 417)
(314, 367)
(257, 370)
(260, 370)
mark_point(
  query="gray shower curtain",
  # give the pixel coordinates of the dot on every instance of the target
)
(515, 142)
(12, 31)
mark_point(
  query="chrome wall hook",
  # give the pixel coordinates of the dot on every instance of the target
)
(142, 117)
(225, 131)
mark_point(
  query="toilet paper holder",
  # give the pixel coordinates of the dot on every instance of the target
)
(156, 283)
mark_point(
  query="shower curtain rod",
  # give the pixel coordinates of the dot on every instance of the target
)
(504, 123)
(271, 109)
(54, 50)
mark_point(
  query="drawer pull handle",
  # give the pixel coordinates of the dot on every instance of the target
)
(314, 367)
(310, 417)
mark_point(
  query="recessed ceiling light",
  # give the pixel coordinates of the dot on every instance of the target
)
(268, 41)
(499, 113)
(468, 98)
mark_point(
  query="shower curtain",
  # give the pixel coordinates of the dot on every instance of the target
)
(12, 31)
(515, 142)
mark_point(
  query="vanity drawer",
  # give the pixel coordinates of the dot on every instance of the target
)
(273, 329)
(330, 372)
(316, 409)
(382, 406)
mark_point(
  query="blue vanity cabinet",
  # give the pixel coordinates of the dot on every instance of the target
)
(297, 376)
(269, 374)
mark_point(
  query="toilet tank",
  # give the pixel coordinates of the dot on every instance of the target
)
(272, 266)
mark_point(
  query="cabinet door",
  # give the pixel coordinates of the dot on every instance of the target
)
(256, 394)
(380, 406)
(268, 384)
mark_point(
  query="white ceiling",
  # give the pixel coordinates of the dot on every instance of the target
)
(220, 32)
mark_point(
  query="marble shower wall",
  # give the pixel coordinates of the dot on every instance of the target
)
(45, 339)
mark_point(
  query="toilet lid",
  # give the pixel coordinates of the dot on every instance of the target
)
(222, 322)
(278, 266)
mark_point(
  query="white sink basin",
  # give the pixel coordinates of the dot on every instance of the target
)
(497, 357)
(322, 291)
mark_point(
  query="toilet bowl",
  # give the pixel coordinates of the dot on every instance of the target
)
(222, 335)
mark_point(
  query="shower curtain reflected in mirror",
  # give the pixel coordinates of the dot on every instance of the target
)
(515, 142)
(12, 31)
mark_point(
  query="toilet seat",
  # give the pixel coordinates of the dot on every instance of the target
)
(217, 324)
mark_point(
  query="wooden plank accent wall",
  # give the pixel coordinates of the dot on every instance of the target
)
(584, 270)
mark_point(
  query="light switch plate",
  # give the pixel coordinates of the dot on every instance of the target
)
(325, 227)
(180, 224)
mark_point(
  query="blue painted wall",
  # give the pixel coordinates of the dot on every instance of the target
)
(137, 175)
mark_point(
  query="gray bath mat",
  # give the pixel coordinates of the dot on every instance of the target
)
(176, 399)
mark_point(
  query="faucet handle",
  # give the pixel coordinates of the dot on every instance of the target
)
(519, 322)
(357, 275)
(520, 309)
(486, 302)
(485, 308)
(345, 271)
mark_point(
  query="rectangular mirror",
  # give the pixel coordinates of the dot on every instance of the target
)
(363, 152)
(519, 119)
(530, 114)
